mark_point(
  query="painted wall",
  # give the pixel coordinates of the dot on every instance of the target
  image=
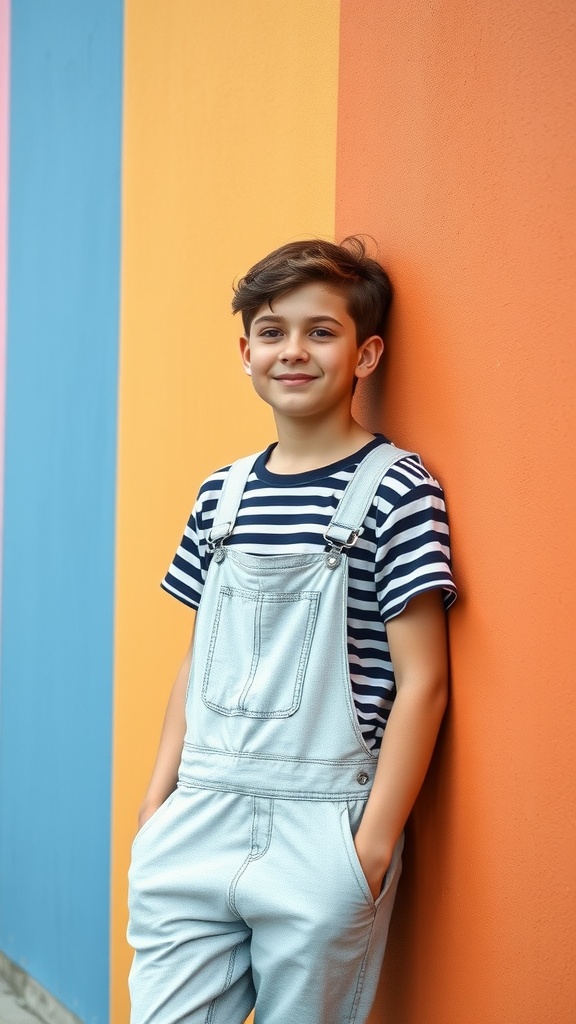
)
(230, 143)
(4, 109)
(456, 151)
(57, 620)
(445, 131)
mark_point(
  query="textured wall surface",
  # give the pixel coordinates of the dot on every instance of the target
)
(4, 106)
(55, 725)
(456, 151)
(230, 144)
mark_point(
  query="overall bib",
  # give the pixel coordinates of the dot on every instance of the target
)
(245, 886)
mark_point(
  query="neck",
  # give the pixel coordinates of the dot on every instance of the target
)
(304, 446)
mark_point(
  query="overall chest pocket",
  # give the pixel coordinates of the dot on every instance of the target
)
(258, 653)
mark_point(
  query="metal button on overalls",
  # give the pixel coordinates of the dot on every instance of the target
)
(245, 885)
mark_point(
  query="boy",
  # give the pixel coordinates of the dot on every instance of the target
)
(301, 725)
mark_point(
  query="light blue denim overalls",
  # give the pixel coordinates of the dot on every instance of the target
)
(245, 886)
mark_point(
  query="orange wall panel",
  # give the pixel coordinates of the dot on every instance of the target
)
(456, 152)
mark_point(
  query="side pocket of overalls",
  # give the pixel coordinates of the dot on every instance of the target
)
(154, 818)
(349, 824)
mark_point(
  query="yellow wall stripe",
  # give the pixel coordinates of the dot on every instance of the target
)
(229, 150)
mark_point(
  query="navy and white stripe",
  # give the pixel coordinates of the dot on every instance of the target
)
(404, 550)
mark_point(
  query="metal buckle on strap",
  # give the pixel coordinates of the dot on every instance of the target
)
(353, 538)
(216, 547)
(217, 551)
(349, 543)
(335, 551)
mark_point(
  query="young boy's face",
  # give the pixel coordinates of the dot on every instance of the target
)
(302, 352)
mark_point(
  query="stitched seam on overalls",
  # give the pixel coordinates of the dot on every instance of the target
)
(253, 855)
(256, 645)
(212, 643)
(341, 814)
(233, 886)
(227, 983)
(284, 757)
(263, 597)
(325, 795)
(266, 846)
(273, 562)
(361, 976)
(312, 598)
(378, 903)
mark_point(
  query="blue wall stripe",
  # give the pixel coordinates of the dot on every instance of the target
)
(58, 580)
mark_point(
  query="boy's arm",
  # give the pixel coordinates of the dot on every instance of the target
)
(418, 648)
(165, 773)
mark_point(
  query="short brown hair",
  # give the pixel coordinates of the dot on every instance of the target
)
(345, 267)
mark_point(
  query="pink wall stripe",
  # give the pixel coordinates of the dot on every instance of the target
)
(4, 106)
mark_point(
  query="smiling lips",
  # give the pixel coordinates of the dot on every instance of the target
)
(293, 379)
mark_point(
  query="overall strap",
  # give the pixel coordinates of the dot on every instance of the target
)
(346, 523)
(230, 498)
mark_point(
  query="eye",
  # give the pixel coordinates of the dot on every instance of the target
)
(322, 332)
(270, 332)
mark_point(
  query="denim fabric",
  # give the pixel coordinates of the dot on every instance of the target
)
(245, 886)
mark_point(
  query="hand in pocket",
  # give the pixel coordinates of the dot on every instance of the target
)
(372, 865)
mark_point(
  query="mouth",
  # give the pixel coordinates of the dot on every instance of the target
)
(294, 379)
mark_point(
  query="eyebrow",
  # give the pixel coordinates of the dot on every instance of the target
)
(272, 318)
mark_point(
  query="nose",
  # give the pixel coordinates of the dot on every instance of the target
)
(294, 348)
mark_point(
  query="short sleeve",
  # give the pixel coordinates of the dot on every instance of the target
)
(413, 549)
(187, 571)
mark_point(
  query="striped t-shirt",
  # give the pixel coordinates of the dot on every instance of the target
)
(403, 550)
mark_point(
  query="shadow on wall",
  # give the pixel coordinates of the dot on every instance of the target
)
(420, 882)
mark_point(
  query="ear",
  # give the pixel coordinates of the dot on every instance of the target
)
(245, 354)
(369, 355)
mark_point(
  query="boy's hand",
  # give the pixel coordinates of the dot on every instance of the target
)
(145, 812)
(165, 775)
(373, 866)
